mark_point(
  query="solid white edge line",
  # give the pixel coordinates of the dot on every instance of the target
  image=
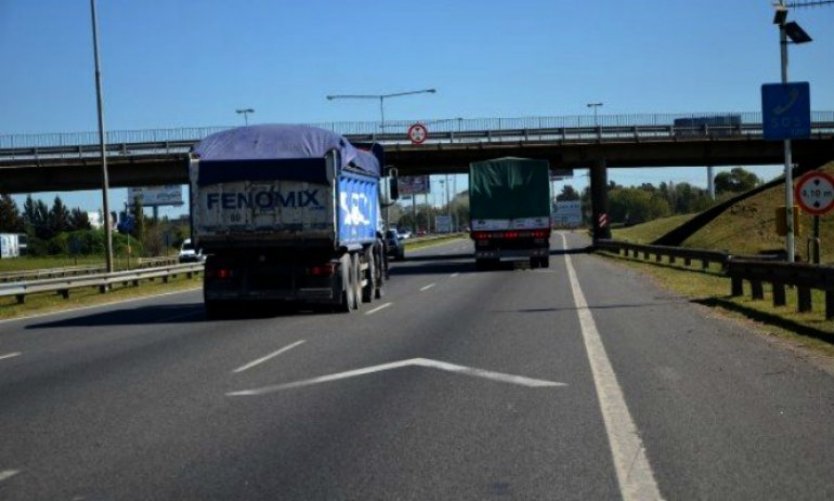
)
(427, 287)
(453, 275)
(99, 305)
(378, 308)
(6, 474)
(634, 473)
(274, 354)
(11, 355)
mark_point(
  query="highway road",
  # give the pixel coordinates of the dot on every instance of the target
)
(580, 381)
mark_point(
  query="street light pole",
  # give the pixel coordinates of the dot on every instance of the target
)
(790, 244)
(245, 112)
(105, 182)
(595, 106)
(381, 98)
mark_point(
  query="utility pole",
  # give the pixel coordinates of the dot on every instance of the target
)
(105, 181)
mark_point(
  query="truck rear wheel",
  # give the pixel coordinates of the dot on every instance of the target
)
(356, 277)
(348, 300)
(370, 287)
(545, 262)
(217, 310)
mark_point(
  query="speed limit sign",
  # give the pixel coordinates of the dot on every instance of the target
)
(418, 133)
(814, 192)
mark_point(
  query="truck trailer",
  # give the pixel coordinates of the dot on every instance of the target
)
(509, 203)
(288, 215)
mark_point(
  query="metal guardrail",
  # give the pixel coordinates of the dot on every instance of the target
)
(66, 271)
(803, 276)
(659, 251)
(101, 280)
(566, 129)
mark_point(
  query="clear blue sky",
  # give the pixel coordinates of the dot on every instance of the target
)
(177, 63)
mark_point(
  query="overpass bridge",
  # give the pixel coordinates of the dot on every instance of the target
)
(58, 162)
(70, 161)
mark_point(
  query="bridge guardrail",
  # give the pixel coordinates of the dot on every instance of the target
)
(805, 277)
(143, 143)
(101, 280)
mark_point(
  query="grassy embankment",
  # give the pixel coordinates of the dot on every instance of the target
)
(747, 228)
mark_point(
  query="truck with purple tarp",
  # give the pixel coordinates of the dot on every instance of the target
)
(288, 214)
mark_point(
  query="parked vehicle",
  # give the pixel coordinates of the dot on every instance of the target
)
(288, 214)
(509, 201)
(394, 245)
(189, 253)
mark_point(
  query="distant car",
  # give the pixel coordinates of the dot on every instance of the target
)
(394, 246)
(188, 254)
(404, 235)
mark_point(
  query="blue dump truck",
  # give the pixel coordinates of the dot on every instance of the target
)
(288, 215)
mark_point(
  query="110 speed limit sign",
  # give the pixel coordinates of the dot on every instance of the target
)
(814, 192)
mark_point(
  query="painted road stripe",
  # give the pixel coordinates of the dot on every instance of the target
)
(427, 287)
(274, 354)
(6, 474)
(11, 355)
(634, 474)
(453, 275)
(378, 308)
(419, 362)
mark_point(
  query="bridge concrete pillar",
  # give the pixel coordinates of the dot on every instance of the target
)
(600, 220)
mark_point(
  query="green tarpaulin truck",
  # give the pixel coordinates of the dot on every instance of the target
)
(509, 202)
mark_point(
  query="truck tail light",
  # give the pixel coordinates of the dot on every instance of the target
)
(324, 270)
(219, 273)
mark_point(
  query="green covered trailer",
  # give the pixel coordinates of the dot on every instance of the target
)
(509, 203)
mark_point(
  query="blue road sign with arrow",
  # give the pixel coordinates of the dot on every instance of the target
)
(786, 111)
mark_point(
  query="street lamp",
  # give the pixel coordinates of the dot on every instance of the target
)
(105, 182)
(381, 98)
(798, 36)
(594, 106)
(245, 112)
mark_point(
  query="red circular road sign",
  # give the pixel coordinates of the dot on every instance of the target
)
(814, 192)
(418, 133)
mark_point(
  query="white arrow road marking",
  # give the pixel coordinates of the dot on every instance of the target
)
(6, 474)
(420, 362)
(261, 360)
(11, 355)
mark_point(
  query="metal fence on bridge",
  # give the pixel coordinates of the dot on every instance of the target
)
(448, 125)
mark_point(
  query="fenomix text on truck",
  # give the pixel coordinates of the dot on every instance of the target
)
(509, 204)
(288, 214)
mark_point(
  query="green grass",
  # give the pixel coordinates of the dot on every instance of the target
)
(421, 242)
(646, 233)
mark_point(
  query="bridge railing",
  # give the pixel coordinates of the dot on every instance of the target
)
(400, 127)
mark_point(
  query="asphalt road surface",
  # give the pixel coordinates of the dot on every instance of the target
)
(580, 381)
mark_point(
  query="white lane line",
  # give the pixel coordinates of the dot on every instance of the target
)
(419, 362)
(274, 354)
(378, 308)
(634, 473)
(6, 474)
(11, 355)
(427, 287)
(453, 275)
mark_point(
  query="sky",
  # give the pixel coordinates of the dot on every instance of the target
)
(190, 63)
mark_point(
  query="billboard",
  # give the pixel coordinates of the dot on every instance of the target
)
(567, 214)
(413, 185)
(442, 224)
(155, 196)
